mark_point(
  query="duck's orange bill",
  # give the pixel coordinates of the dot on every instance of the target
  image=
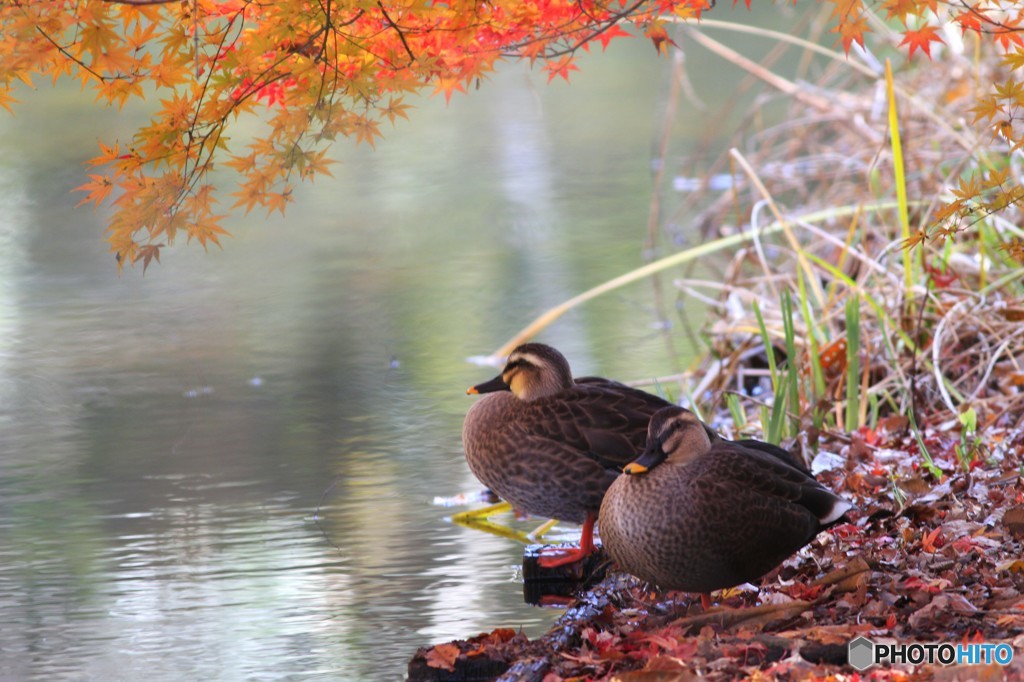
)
(472, 391)
(633, 468)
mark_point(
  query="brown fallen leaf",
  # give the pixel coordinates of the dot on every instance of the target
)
(727, 618)
(485, 641)
(443, 656)
(1013, 519)
(849, 577)
(940, 610)
(659, 669)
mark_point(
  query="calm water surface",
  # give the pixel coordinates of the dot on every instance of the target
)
(225, 469)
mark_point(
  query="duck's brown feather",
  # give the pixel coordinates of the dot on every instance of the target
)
(555, 456)
(725, 517)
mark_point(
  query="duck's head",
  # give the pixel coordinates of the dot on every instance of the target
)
(674, 434)
(533, 370)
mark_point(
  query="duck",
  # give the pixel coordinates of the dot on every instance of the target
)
(696, 514)
(551, 444)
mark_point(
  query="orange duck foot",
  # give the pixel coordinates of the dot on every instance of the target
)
(563, 557)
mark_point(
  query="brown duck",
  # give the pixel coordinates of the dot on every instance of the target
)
(698, 514)
(550, 444)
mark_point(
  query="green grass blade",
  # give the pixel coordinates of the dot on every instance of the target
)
(876, 307)
(739, 418)
(675, 259)
(901, 181)
(769, 349)
(927, 456)
(793, 371)
(852, 363)
(778, 413)
(814, 349)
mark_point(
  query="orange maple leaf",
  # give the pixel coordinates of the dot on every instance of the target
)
(930, 542)
(851, 30)
(921, 39)
(448, 85)
(561, 68)
(108, 155)
(659, 36)
(98, 188)
(1006, 33)
(146, 253)
(900, 9)
(443, 656)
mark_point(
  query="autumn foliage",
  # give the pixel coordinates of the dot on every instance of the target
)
(314, 70)
(317, 71)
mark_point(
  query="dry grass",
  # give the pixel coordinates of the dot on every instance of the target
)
(820, 205)
(940, 326)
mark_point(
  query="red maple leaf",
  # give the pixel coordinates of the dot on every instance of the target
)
(970, 20)
(611, 32)
(1007, 36)
(940, 279)
(921, 39)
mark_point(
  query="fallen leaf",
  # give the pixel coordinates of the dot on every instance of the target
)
(1011, 566)
(1011, 620)
(940, 610)
(443, 656)
(665, 663)
(930, 542)
(894, 424)
(1013, 519)
(660, 669)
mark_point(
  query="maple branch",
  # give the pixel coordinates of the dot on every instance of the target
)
(68, 55)
(217, 131)
(615, 19)
(603, 26)
(352, 41)
(401, 34)
(983, 18)
(599, 26)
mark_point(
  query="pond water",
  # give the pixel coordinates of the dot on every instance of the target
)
(225, 469)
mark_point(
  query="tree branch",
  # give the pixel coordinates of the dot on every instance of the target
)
(401, 35)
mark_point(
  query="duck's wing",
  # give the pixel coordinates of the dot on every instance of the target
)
(763, 471)
(775, 451)
(604, 419)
